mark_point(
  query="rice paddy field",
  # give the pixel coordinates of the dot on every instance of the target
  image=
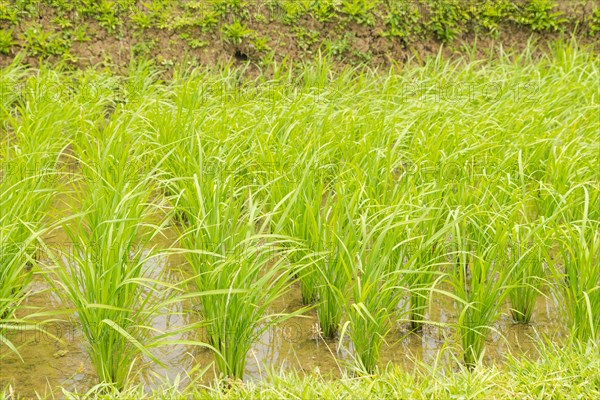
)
(431, 230)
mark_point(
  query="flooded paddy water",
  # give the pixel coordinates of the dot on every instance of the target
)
(50, 362)
(55, 355)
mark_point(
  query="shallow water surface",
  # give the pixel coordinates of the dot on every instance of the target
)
(294, 344)
(58, 358)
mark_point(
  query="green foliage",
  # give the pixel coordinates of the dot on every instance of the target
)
(406, 20)
(491, 13)
(448, 19)
(64, 23)
(306, 39)
(107, 15)
(369, 177)
(479, 279)
(6, 41)
(324, 11)
(579, 244)
(159, 12)
(24, 200)
(291, 11)
(209, 20)
(595, 22)
(141, 20)
(422, 253)
(80, 34)
(236, 32)
(28, 167)
(230, 268)
(403, 20)
(239, 8)
(40, 42)
(261, 44)
(8, 12)
(538, 15)
(338, 48)
(574, 371)
(197, 43)
(106, 276)
(526, 260)
(359, 11)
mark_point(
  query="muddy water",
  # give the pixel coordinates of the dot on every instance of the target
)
(59, 358)
(50, 363)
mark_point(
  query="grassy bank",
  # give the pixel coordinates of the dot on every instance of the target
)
(377, 32)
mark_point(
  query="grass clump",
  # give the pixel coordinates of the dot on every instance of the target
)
(237, 270)
(479, 280)
(578, 278)
(527, 273)
(106, 275)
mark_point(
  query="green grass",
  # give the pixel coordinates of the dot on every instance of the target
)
(527, 276)
(479, 280)
(369, 189)
(577, 277)
(376, 289)
(558, 372)
(26, 194)
(105, 274)
(424, 253)
(236, 266)
(299, 215)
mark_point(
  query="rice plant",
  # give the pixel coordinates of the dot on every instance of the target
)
(422, 253)
(479, 280)
(303, 219)
(376, 288)
(333, 270)
(17, 258)
(235, 269)
(105, 274)
(578, 279)
(25, 197)
(527, 275)
(321, 180)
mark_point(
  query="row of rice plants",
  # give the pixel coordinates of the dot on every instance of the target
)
(341, 212)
